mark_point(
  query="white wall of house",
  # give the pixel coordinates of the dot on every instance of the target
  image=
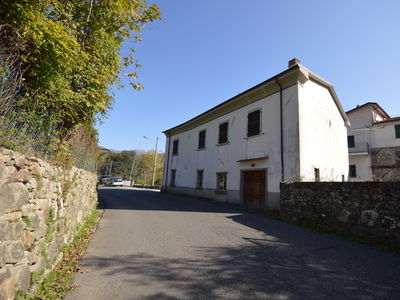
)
(313, 137)
(224, 158)
(383, 135)
(323, 135)
(363, 116)
(363, 167)
(365, 130)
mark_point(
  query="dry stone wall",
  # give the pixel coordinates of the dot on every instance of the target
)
(369, 210)
(41, 208)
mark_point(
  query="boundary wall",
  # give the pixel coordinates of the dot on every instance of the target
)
(41, 208)
(369, 210)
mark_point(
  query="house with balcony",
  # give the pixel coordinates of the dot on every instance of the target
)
(290, 127)
(373, 144)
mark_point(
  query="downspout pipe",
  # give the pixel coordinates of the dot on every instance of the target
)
(281, 127)
(168, 135)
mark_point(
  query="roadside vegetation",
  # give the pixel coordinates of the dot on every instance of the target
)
(132, 166)
(59, 281)
(58, 60)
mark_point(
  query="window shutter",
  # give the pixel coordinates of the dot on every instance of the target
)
(350, 141)
(397, 131)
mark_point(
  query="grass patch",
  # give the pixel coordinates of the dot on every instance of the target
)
(58, 282)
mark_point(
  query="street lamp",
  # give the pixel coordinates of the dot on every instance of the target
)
(155, 159)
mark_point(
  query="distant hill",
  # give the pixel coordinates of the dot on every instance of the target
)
(138, 151)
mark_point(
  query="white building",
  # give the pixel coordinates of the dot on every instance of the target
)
(374, 144)
(289, 127)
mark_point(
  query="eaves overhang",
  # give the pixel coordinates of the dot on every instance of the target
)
(374, 105)
(252, 159)
(395, 120)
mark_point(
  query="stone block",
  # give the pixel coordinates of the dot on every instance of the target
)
(40, 232)
(10, 231)
(12, 197)
(389, 222)
(38, 266)
(5, 274)
(27, 238)
(369, 214)
(3, 172)
(11, 217)
(7, 290)
(15, 252)
(21, 176)
(22, 277)
(343, 216)
(53, 249)
(3, 255)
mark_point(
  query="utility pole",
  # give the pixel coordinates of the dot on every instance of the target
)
(155, 160)
(109, 173)
(130, 176)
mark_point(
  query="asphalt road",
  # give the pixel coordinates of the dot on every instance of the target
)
(151, 245)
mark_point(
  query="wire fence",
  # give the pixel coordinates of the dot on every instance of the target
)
(29, 133)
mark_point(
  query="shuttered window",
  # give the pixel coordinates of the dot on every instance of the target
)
(350, 141)
(352, 171)
(223, 133)
(202, 139)
(253, 123)
(175, 147)
(397, 131)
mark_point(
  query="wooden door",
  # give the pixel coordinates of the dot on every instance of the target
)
(254, 188)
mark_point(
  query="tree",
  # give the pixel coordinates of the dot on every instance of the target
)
(68, 52)
(117, 164)
(144, 168)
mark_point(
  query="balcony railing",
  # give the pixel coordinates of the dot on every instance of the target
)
(359, 149)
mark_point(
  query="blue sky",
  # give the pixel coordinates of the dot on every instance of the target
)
(204, 52)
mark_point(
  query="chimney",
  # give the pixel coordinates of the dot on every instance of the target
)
(293, 62)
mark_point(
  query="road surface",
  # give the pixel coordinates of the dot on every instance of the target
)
(151, 245)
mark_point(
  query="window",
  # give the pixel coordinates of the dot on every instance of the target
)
(221, 182)
(352, 171)
(223, 133)
(175, 147)
(397, 131)
(316, 175)
(253, 123)
(173, 177)
(199, 180)
(350, 141)
(202, 139)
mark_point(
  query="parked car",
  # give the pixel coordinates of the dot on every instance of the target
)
(114, 181)
(102, 178)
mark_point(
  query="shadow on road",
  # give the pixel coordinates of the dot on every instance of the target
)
(255, 271)
(287, 263)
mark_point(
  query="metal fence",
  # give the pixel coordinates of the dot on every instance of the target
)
(29, 133)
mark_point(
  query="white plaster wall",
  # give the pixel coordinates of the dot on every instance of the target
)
(361, 117)
(317, 144)
(383, 135)
(323, 135)
(363, 167)
(224, 158)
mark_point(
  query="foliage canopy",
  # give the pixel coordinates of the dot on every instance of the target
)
(68, 52)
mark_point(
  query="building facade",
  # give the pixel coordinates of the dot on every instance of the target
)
(373, 143)
(289, 127)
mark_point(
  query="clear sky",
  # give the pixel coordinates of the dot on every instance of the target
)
(205, 52)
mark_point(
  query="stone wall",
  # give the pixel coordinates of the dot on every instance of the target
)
(370, 210)
(41, 207)
(386, 163)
